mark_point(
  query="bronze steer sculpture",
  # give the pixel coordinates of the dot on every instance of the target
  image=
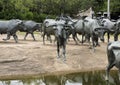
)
(89, 28)
(109, 28)
(48, 29)
(117, 32)
(61, 37)
(113, 53)
(10, 27)
(29, 27)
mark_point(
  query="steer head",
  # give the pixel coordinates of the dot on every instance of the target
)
(100, 32)
(17, 23)
(38, 26)
(60, 30)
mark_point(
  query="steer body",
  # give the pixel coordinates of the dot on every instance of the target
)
(10, 27)
(29, 27)
(113, 53)
(61, 37)
(117, 32)
(79, 29)
(109, 26)
(48, 29)
(91, 28)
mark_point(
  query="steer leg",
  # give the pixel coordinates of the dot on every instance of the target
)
(108, 71)
(96, 41)
(55, 40)
(116, 36)
(119, 73)
(44, 38)
(50, 39)
(108, 36)
(33, 36)
(74, 35)
(25, 36)
(58, 50)
(15, 38)
(93, 44)
(88, 38)
(8, 37)
(64, 51)
(78, 38)
(82, 38)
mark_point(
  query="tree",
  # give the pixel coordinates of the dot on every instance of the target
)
(38, 9)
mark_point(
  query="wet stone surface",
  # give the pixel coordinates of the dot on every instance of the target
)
(82, 78)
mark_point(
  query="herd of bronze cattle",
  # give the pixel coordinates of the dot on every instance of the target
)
(91, 30)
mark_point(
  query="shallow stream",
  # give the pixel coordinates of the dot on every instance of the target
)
(82, 78)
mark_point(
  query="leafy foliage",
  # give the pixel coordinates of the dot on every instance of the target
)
(38, 9)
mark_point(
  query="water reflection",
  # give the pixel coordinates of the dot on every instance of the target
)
(85, 78)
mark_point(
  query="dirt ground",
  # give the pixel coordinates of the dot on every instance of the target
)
(28, 57)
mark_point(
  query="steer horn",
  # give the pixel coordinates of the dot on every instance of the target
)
(101, 28)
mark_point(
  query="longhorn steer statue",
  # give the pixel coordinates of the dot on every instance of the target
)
(48, 29)
(92, 28)
(113, 53)
(29, 27)
(10, 27)
(117, 32)
(61, 37)
(110, 27)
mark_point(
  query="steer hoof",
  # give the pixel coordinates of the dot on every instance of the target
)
(64, 60)
(5, 39)
(76, 43)
(58, 57)
(90, 47)
(16, 41)
(106, 78)
(97, 45)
